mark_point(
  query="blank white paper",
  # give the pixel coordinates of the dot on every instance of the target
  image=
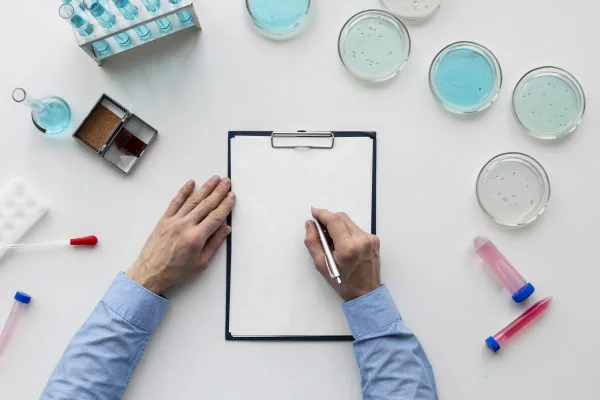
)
(275, 289)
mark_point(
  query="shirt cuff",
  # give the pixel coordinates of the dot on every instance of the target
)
(371, 312)
(135, 303)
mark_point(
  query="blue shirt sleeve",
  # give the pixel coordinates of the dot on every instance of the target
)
(392, 362)
(100, 359)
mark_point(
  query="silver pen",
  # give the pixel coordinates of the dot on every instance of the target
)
(334, 273)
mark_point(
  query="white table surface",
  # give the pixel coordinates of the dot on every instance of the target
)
(196, 87)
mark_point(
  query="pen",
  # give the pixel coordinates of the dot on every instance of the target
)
(334, 273)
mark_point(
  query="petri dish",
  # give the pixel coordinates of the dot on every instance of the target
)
(278, 19)
(513, 189)
(465, 77)
(374, 45)
(412, 9)
(549, 103)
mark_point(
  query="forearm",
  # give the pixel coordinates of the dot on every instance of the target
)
(102, 356)
(392, 362)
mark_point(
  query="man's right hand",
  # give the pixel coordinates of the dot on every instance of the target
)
(356, 253)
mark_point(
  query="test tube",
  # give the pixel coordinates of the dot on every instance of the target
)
(123, 39)
(83, 27)
(105, 18)
(21, 301)
(131, 12)
(503, 269)
(153, 6)
(77, 4)
(497, 341)
(184, 15)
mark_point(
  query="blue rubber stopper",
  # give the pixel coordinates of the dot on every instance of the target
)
(492, 344)
(523, 293)
(22, 297)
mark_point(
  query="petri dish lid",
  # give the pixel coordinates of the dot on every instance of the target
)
(412, 9)
(549, 103)
(513, 189)
(374, 45)
(465, 77)
(278, 19)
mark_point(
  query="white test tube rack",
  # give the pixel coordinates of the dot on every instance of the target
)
(123, 25)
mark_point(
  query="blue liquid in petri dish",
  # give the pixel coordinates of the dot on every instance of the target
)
(278, 18)
(465, 77)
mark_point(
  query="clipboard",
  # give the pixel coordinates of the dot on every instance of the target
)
(273, 291)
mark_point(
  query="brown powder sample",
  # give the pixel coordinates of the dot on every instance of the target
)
(96, 130)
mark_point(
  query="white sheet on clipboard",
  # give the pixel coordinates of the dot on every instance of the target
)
(275, 289)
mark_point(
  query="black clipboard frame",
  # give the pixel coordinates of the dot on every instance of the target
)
(308, 338)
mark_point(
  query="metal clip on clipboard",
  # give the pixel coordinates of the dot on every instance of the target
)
(302, 140)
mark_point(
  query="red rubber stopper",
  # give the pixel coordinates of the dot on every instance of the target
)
(84, 241)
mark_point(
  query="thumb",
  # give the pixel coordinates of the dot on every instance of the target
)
(313, 244)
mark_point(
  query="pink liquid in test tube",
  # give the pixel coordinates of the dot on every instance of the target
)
(503, 270)
(21, 301)
(531, 314)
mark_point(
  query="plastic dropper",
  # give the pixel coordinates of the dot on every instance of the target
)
(531, 314)
(81, 241)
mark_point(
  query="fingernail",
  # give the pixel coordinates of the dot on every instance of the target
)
(226, 181)
(190, 182)
(307, 224)
(227, 230)
(231, 195)
(215, 178)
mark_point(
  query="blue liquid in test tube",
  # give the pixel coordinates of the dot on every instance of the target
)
(154, 5)
(128, 10)
(105, 18)
(83, 27)
(151, 5)
(131, 12)
(123, 39)
(183, 15)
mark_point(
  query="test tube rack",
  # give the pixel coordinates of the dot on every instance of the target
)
(123, 25)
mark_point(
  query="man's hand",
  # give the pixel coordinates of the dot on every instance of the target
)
(356, 253)
(187, 237)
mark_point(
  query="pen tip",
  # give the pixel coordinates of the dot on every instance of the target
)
(339, 281)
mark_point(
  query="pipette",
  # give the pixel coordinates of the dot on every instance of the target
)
(21, 301)
(81, 241)
(531, 314)
(503, 269)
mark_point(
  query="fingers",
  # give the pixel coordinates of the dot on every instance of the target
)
(313, 244)
(211, 202)
(180, 199)
(212, 245)
(209, 225)
(192, 201)
(334, 223)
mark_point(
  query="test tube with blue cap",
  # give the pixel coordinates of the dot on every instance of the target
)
(21, 301)
(131, 12)
(153, 6)
(83, 27)
(503, 269)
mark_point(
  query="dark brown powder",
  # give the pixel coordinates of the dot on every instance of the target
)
(96, 130)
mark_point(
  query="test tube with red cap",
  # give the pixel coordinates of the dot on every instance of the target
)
(503, 270)
(531, 314)
(21, 301)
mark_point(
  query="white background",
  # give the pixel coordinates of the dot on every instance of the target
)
(195, 87)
